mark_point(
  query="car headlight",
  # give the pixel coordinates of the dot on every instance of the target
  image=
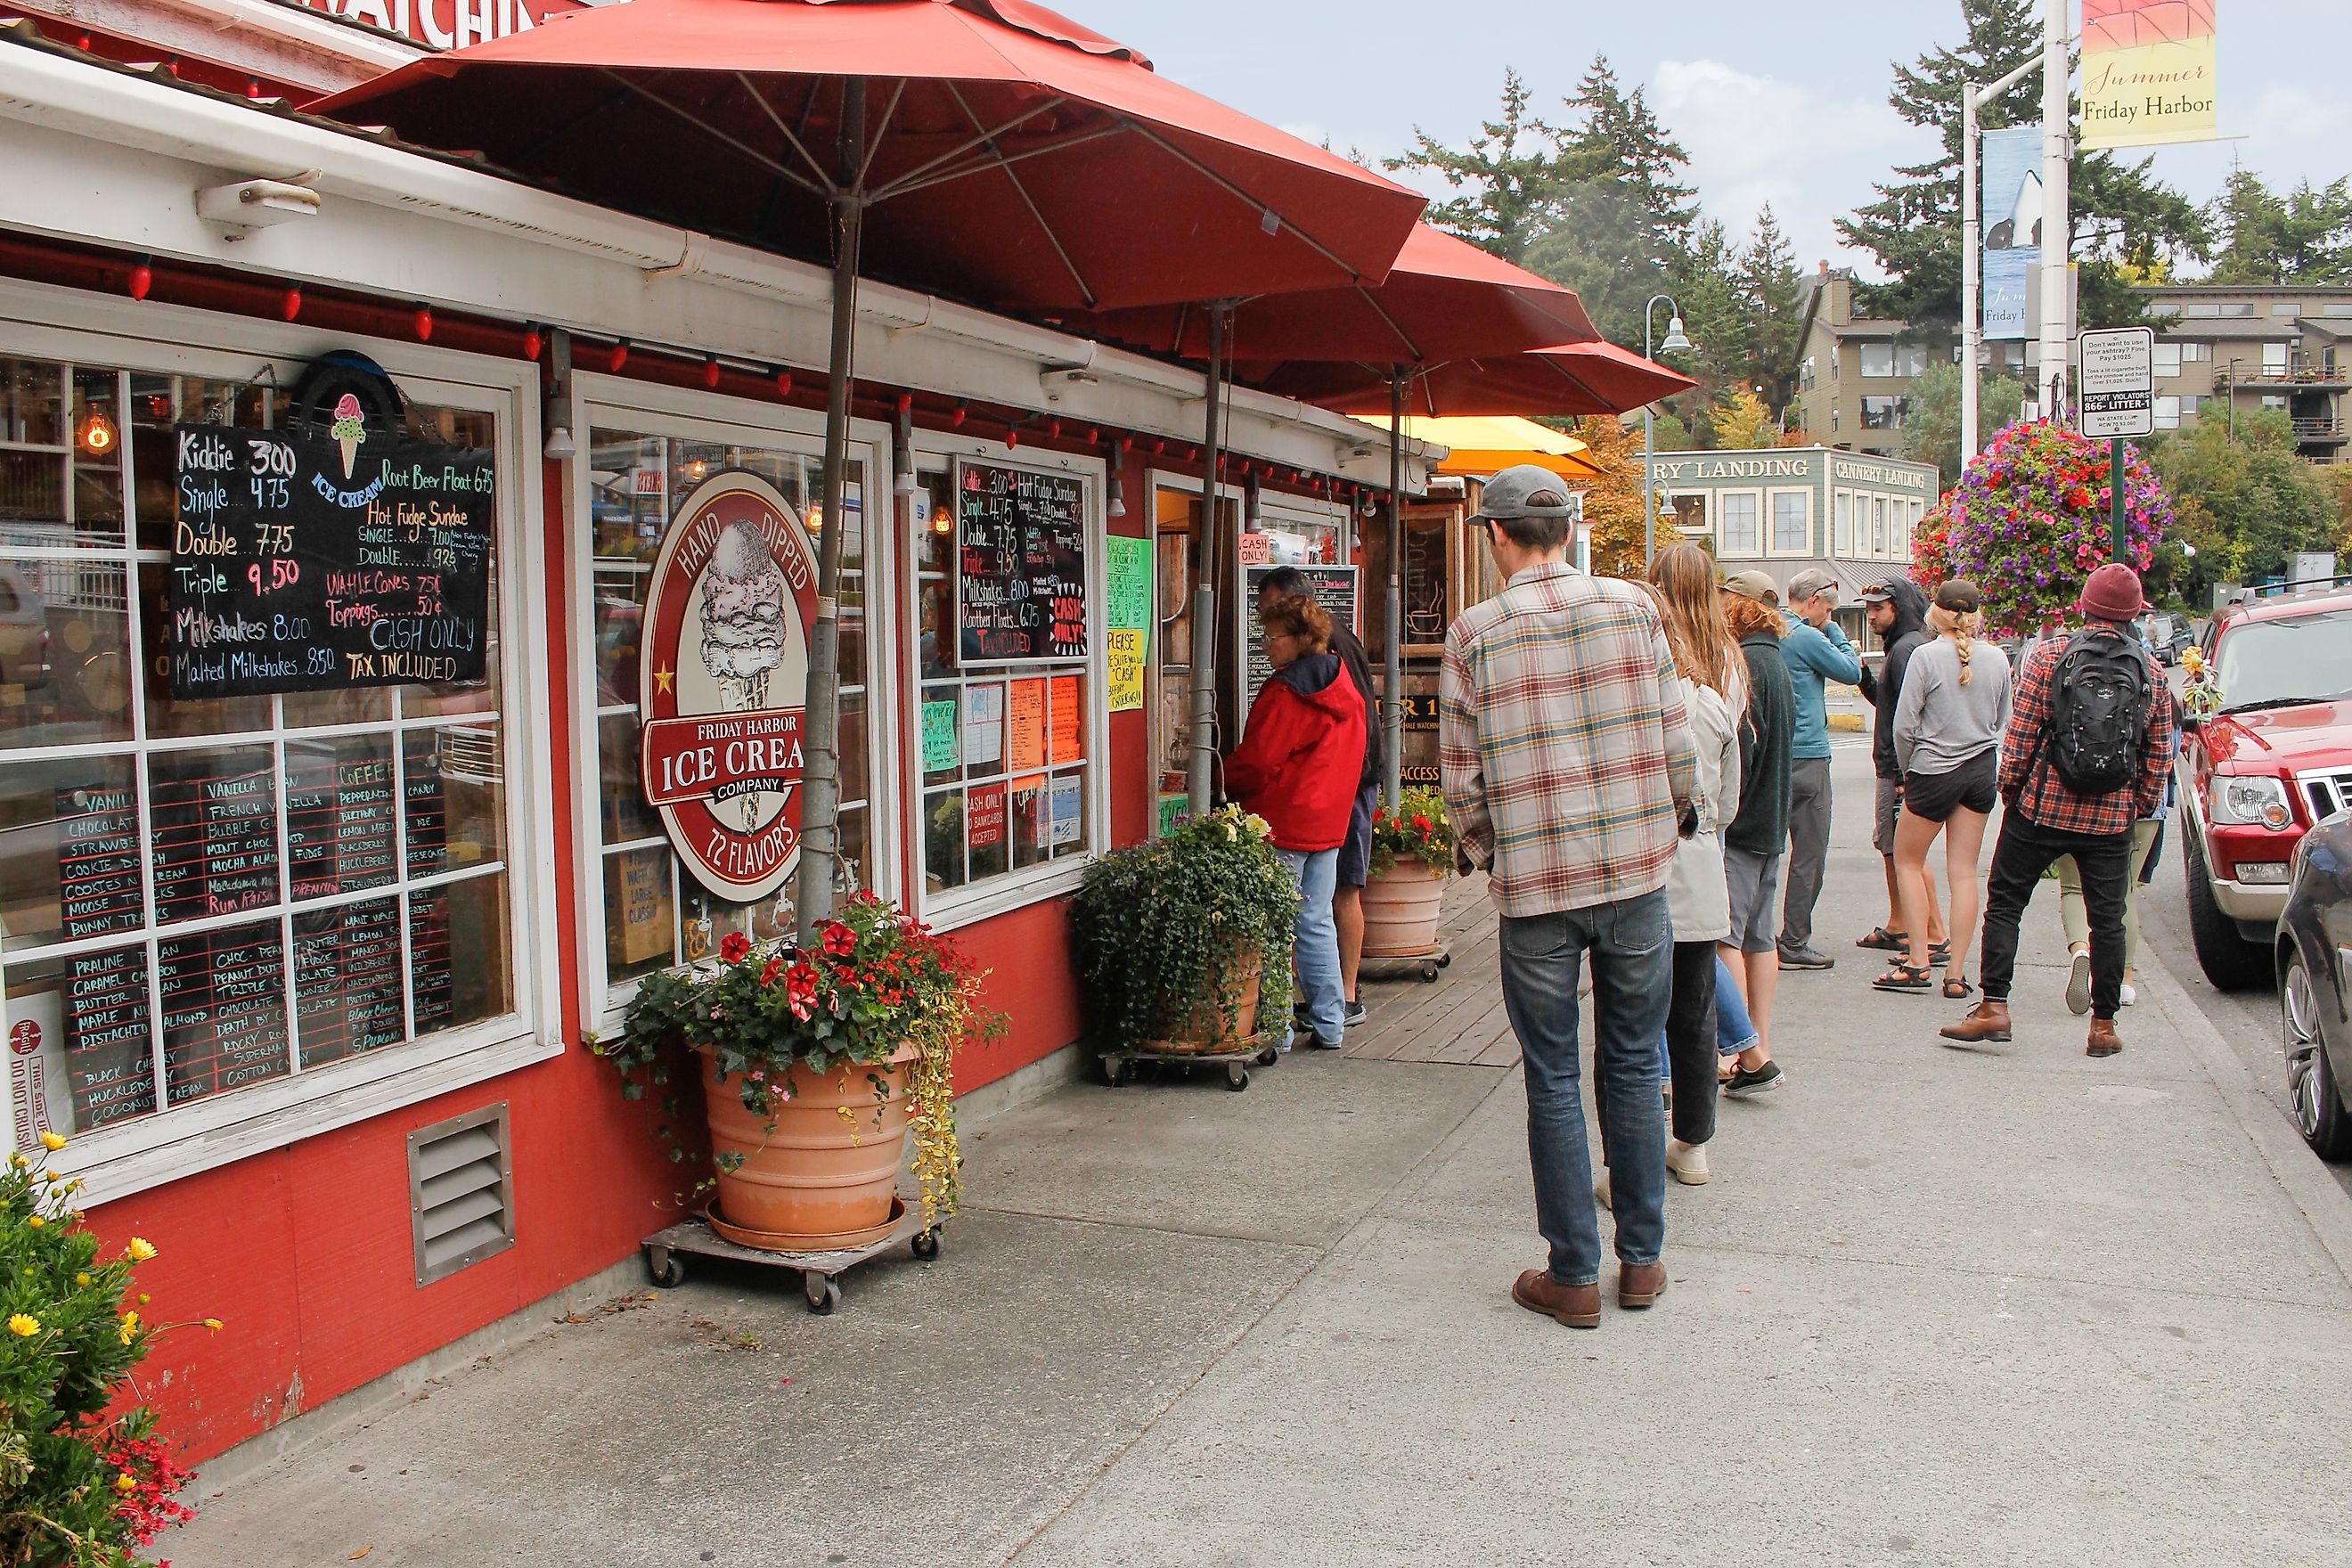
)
(2250, 802)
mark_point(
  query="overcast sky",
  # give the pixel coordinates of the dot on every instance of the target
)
(1778, 103)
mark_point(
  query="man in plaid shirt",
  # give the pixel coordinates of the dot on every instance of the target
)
(2046, 820)
(1569, 770)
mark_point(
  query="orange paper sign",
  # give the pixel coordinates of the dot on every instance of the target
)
(1024, 724)
(1069, 721)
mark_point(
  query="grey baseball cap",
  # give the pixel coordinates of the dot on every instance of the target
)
(1523, 491)
(1810, 583)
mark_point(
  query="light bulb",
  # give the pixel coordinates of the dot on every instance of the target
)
(815, 519)
(943, 520)
(97, 432)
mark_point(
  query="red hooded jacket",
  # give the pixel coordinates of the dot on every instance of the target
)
(1302, 754)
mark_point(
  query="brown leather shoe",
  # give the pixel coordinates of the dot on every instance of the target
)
(1987, 1020)
(2104, 1042)
(1640, 1285)
(1578, 1306)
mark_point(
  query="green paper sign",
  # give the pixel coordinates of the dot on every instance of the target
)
(939, 736)
(1131, 583)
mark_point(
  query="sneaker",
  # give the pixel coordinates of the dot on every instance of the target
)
(2131, 993)
(1321, 1044)
(2078, 985)
(1807, 957)
(1687, 1163)
(1759, 1080)
(1352, 1015)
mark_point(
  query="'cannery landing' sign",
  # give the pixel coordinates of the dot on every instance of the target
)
(306, 563)
(723, 681)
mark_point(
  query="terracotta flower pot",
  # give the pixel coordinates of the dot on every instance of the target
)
(822, 1179)
(1402, 906)
(1207, 1030)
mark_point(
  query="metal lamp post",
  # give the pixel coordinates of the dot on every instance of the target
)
(1675, 344)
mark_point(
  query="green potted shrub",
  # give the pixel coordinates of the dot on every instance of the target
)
(1184, 941)
(1412, 855)
(817, 1067)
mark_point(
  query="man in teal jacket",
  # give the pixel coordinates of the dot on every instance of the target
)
(1816, 651)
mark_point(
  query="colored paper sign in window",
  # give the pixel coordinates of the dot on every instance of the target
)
(983, 725)
(1069, 720)
(1070, 803)
(1123, 670)
(1026, 724)
(939, 736)
(984, 815)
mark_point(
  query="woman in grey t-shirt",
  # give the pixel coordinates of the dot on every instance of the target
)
(1947, 731)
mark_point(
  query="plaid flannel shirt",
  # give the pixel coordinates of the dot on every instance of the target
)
(1566, 754)
(2029, 780)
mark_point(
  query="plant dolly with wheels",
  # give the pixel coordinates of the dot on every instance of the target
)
(1119, 1067)
(667, 1250)
(1421, 966)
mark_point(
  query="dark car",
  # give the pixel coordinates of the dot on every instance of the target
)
(2314, 959)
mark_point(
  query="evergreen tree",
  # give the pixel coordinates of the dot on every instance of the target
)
(2264, 502)
(2121, 215)
(1510, 178)
(2305, 236)
(1705, 285)
(1931, 425)
(1772, 293)
(1620, 142)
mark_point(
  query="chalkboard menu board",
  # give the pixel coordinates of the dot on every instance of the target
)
(338, 816)
(1021, 581)
(110, 1069)
(224, 1009)
(216, 825)
(1335, 590)
(303, 561)
(98, 861)
(347, 980)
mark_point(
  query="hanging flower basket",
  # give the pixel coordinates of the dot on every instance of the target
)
(2029, 519)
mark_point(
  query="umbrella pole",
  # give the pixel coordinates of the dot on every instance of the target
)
(1392, 663)
(821, 774)
(1204, 599)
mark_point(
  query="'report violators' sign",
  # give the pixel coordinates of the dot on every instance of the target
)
(723, 683)
(2149, 72)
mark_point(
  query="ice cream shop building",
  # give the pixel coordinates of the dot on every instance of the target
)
(371, 528)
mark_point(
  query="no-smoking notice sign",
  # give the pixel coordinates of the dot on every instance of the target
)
(2118, 383)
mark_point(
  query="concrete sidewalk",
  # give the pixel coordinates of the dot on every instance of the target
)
(2010, 1307)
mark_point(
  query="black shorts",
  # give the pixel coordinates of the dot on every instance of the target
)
(1356, 850)
(1974, 785)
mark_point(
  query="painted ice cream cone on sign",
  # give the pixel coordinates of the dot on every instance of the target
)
(743, 625)
(348, 430)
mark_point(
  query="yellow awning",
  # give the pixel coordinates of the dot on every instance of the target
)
(1480, 446)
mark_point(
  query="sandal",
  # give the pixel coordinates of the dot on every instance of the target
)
(1905, 977)
(1886, 940)
(1957, 989)
(1941, 953)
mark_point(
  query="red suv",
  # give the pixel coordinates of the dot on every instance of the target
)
(2261, 773)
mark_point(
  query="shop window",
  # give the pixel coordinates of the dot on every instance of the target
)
(1841, 524)
(1687, 511)
(1739, 532)
(1792, 522)
(1003, 736)
(656, 912)
(199, 897)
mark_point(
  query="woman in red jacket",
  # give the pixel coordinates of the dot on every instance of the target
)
(1297, 766)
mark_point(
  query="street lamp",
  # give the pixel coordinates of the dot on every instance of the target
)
(1675, 344)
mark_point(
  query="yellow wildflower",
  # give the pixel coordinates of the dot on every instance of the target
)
(130, 1327)
(215, 1324)
(36, 1222)
(144, 1297)
(82, 1279)
(125, 1481)
(51, 1142)
(23, 1325)
(140, 1250)
(18, 1162)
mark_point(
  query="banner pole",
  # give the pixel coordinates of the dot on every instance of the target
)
(2116, 496)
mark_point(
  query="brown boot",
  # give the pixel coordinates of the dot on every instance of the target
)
(1987, 1020)
(2104, 1042)
(1578, 1306)
(1640, 1284)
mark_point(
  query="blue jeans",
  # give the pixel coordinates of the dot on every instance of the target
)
(1734, 1030)
(1324, 1001)
(1631, 947)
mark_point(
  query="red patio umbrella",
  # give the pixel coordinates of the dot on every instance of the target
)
(994, 149)
(1559, 382)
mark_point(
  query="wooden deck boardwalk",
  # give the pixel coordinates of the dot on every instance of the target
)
(1458, 1020)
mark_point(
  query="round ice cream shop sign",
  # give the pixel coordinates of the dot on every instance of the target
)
(722, 684)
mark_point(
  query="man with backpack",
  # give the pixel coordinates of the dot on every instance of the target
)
(2089, 743)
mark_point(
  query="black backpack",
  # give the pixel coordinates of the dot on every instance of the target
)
(2100, 695)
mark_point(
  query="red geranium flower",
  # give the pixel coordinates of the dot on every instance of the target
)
(733, 947)
(840, 942)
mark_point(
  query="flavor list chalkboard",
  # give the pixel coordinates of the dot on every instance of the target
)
(339, 817)
(428, 826)
(347, 980)
(98, 861)
(428, 958)
(215, 825)
(1020, 583)
(308, 563)
(223, 1010)
(108, 1069)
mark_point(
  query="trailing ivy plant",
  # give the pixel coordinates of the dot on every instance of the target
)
(1164, 926)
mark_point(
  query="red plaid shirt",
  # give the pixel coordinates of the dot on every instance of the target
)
(2029, 780)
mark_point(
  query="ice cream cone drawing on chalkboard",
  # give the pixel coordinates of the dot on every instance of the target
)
(349, 430)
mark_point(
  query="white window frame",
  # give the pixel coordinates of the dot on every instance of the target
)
(1722, 534)
(2168, 359)
(172, 1143)
(2278, 359)
(1332, 515)
(2168, 413)
(1771, 522)
(953, 907)
(1840, 525)
(646, 408)
(1894, 364)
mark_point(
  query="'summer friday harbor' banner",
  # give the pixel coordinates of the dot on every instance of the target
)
(2148, 72)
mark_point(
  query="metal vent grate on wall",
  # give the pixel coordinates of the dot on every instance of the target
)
(460, 1192)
